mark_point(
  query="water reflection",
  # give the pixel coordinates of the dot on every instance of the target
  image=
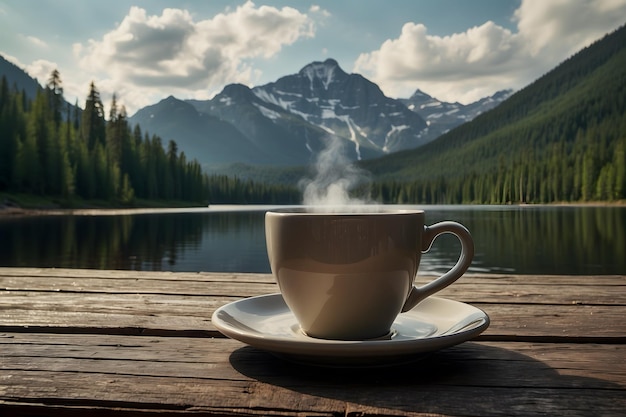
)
(539, 240)
(526, 240)
(176, 241)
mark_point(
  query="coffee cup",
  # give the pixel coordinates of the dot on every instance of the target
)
(346, 275)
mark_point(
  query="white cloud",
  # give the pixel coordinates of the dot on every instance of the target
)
(469, 65)
(41, 70)
(565, 26)
(14, 60)
(36, 41)
(146, 55)
(317, 9)
(74, 89)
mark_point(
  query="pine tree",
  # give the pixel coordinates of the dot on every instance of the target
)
(85, 172)
(588, 177)
(127, 194)
(54, 91)
(27, 172)
(619, 161)
(173, 169)
(41, 130)
(116, 129)
(93, 124)
(8, 134)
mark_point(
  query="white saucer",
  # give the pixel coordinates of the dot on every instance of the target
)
(267, 323)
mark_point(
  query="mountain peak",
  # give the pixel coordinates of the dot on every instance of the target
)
(236, 90)
(503, 94)
(420, 94)
(19, 78)
(329, 63)
(326, 71)
(170, 99)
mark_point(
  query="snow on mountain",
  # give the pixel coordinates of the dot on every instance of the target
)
(442, 117)
(287, 122)
(346, 105)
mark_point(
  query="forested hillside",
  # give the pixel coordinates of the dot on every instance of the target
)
(48, 150)
(19, 79)
(562, 138)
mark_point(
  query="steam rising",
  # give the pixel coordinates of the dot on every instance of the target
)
(336, 180)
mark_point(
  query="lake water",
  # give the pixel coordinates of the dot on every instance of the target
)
(509, 239)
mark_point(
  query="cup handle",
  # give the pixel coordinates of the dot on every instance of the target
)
(416, 295)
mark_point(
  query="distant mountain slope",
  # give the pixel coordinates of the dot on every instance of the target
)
(347, 106)
(558, 138)
(287, 122)
(16, 77)
(201, 136)
(441, 117)
(278, 137)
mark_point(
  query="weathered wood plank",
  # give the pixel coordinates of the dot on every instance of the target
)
(137, 286)
(196, 357)
(44, 273)
(221, 375)
(467, 291)
(503, 289)
(66, 355)
(166, 396)
(590, 280)
(167, 314)
(517, 290)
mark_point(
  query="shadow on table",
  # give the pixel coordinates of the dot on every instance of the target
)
(470, 379)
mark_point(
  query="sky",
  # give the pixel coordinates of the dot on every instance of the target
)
(145, 50)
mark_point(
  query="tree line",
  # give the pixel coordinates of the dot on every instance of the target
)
(51, 148)
(574, 151)
(562, 138)
(225, 189)
(591, 168)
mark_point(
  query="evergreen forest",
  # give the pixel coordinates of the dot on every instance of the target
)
(560, 139)
(54, 150)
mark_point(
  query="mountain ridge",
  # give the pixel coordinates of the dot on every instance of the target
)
(285, 122)
(18, 78)
(297, 114)
(443, 117)
(561, 138)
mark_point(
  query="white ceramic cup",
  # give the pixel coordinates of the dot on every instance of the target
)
(347, 275)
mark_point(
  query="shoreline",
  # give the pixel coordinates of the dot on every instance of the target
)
(24, 205)
(14, 211)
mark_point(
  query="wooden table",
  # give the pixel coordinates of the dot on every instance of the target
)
(90, 342)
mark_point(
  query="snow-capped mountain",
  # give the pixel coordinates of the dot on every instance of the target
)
(288, 121)
(297, 113)
(442, 117)
(277, 136)
(347, 106)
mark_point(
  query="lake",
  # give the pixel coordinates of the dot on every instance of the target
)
(509, 239)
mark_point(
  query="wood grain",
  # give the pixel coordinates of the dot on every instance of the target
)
(219, 374)
(134, 343)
